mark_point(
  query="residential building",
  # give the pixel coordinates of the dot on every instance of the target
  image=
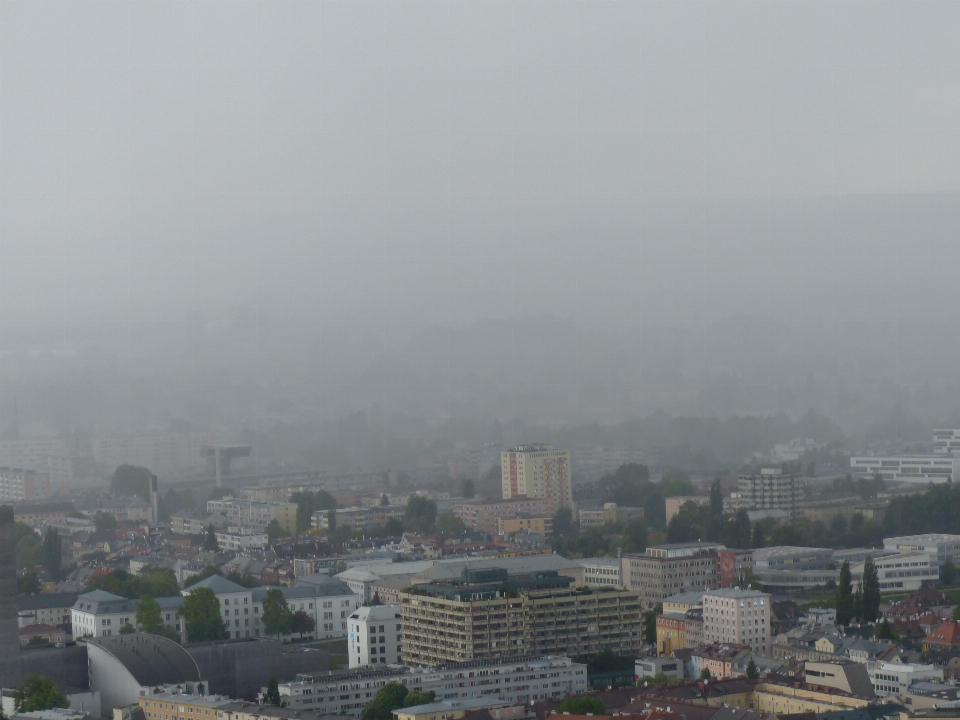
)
(388, 589)
(242, 710)
(42, 512)
(946, 442)
(903, 571)
(922, 694)
(718, 658)
(46, 609)
(328, 602)
(489, 615)
(740, 617)
(102, 614)
(941, 546)
(673, 504)
(537, 471)
(771, 489)
(693, 621)
(609, 513)
(358, 518)
(374, 635)
(538, 525)
(164, 454)
(124, 509)
(600, 572)
(681, 602)
(19, 485)
(946, 635)
(671, 632)
(170, 703)
(649, 667)
(255, 515)
(905, 468)
(235, 542)
(447, 709)
(197, 524)
(32, 452)
(483, 515)
(31, 634)
(666, 570)
(733, 566)
(894, 679)
(521, 679)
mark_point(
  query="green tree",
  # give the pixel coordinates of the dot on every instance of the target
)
(468, 488)
(420, 514)
(419, 697)
(885, 631)
(650, 627)
(105, 523)
(871, 591)
(634, 538)
(582, 705)
(301, 623)
(276, 614)
(393, 528)
(948, 573)
(858, 601)
(705, 674)
(388, 698)
(737, 530)
(149, 617)
(308, 503)
(201, 611)
(208, 571)
(127, 628)
(563, 522)
(752, 671)
(52, 553)
(129, 480)
(219, 493)
(28, 546)
(272, 695)
(38, 693)
(450, 524)
(28, 584)
(210, 542)
(845, 608)
(275, 531)
(384, 500)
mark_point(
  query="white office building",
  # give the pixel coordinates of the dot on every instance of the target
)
(374, 636)
(737, 617)
(601, 572)
(235, 541)
(517, 680)
(905, 468)
(946, 442)
(102, 614)
(906, 571)
(939, 545)
(891, 679)
(328, 602)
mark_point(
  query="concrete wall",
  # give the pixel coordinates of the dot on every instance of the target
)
(241, 669)
(67, 667)
(9, 627)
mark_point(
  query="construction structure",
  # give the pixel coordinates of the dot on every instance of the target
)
(218, 458)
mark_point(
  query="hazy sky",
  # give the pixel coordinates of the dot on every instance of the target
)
(455, 160)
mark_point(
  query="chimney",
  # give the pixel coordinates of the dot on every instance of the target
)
(9, 627)
(154, 502)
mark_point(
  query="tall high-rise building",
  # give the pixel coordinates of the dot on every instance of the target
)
(738, 617)
(537, 471)
(772, 489)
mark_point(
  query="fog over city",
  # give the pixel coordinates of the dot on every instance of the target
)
(358, 234)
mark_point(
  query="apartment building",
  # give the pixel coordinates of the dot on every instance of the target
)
(671, 632)
(941, 546)
(537, 471)
(539, 525)
(772, 489)
(489, 615)
(45, 609)
(187, 524)
(45, 512)
(358, 518)
(173, 704)
(101, 614)
(164, 453)
(609, 513)
(737, 617)
(666, 570)
(374, 636)
(483, 515)
(906, 571)
(235, 542)
(516, 680)
(937, 468)
(256, 514)
(19, 485)
(599, 572)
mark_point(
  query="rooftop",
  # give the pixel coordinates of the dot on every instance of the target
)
(735, 593)
(151, 659)
(376, 612)
(690, 597)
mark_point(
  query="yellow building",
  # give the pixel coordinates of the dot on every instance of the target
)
(539, 525)
(168, 705)
(784, 699)
(447, 709)
(537, 471)
(671, 633)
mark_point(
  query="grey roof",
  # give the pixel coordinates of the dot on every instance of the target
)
(318, 583)
(444, 570)
(151, 659)
(337, 587)
(691, 597)
(100, 601)
(44, 601)
(170, 603)
(218, 584)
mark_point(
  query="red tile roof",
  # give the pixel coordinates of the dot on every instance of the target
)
(946, 634)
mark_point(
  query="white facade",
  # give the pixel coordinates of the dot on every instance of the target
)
(946, 442)
(905, 468)
(537, 471)
(600, 571)
(241, 541)
(939, 545)
(527, 680)
(102, 614)
(895, 678)
(737, 617)
(903, 571)
(374, 636)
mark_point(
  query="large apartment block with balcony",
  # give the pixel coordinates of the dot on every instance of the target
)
(488, 615)
(666, 570)
(537, 471)
(771, 489)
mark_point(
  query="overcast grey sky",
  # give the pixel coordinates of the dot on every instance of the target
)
(455, 160)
